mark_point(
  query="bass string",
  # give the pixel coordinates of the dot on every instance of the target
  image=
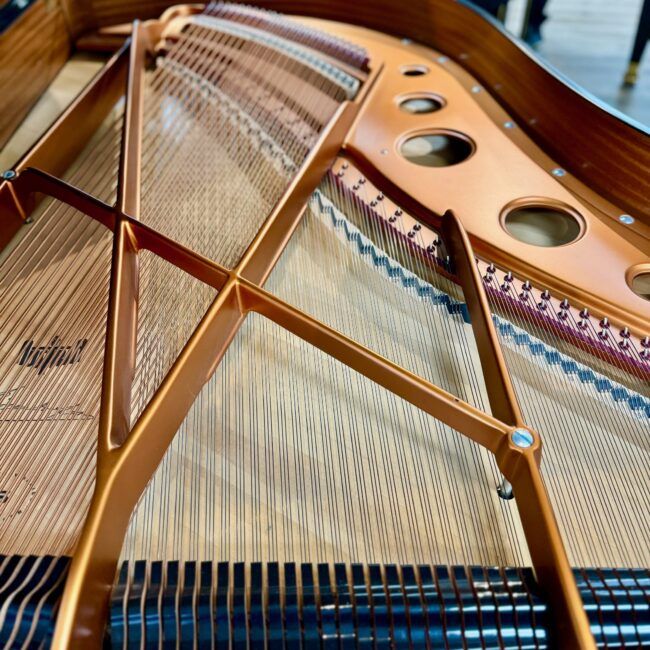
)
(240, 192)
(187, 216)
(40, 489)
(245, 163)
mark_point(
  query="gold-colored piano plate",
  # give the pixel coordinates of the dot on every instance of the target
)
(505, 166)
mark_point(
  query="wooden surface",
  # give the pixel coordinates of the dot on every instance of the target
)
(68, 83)
(85, 15)
(32, 50)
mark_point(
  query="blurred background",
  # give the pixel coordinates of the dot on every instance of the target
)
(590, 42)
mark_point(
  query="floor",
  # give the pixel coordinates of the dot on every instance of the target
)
(590, 42)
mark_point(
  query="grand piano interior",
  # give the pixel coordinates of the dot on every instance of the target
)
(321, 324)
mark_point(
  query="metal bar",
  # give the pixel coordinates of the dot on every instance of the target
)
(128, 184)
(121, 336)
(519, 458)
(501, 393)
(30, 181)
(469, 421)
(263, 253)
(127, 461)
(194, 264)
(122, 327)
(123, 473)
(568, 618)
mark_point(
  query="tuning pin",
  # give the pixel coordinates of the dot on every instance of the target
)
(345, 165)
(362, 180)
(604, 332)
(491, 269)
(545, 297)
(417, 227)
(645, 344)
(584, 319)
(398, 212)
(380, 196)
(340, 173)
(564, 309)
(525, 291)
(373, 204)
(431, 249)
(625, 335)
(411, 233)
(355, 187)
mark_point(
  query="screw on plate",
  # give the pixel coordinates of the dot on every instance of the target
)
(522, 438)
(626, 219)
(558, 172)
(8, 175)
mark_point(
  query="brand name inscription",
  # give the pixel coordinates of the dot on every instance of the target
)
(49, 356)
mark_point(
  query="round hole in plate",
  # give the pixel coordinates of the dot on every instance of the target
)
(437, 149)
(414, 70)
(421, 104)
(543, 224)
(640, 284)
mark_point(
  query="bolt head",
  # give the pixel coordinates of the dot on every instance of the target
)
(522, 438)
(476, 89)
(626, 219)
(509, 125)
(8, 175)
(558, 172)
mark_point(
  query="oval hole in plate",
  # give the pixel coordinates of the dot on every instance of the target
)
(414, 70)
(640, 284)
(421, 104)
(437, 149)
(542, 225)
